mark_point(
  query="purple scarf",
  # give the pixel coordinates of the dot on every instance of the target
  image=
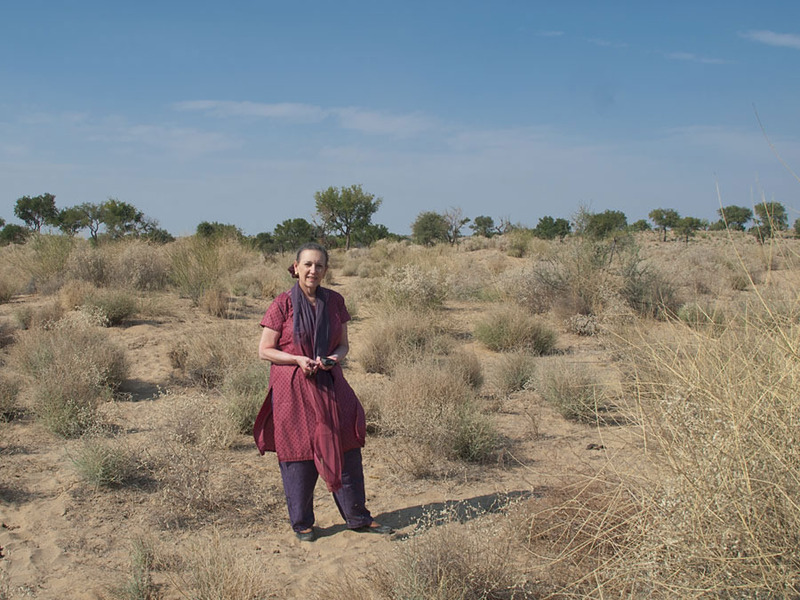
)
(312, 336)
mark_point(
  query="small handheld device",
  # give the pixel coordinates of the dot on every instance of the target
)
(328, 362)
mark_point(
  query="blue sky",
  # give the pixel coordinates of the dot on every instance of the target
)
(238, 112)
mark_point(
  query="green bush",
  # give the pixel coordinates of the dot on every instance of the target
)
(507, 328)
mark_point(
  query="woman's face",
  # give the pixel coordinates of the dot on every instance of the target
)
(311, 269)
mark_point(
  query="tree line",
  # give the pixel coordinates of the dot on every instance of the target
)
(344, 215)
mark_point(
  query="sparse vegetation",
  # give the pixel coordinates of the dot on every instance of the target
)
(655, 456)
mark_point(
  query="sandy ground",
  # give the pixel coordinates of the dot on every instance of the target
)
(62, 539)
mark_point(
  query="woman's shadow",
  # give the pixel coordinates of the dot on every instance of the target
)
(440, 513)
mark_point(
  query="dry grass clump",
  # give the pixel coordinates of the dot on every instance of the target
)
(140, 584)
(517, 242)
(264, 279)
(208, 356)
(475, 561)
(244, 390)
(721, 415)
(574, 390)
(42, 261)
(527, 286)
(43, 316)
(9, 391)
(703, 315)
(435, 408)
(199, 420)
(7, 290)
(68, 370)
(412, 288)
(105, 462)
(506, 328)
(219, 570)
(403, 337)
(216, 302)
(578, 538)
(513, 373)
(88, 263)
(114, 306)
(199, 264)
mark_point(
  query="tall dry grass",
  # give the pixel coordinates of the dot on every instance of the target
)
(721, 413)
(440, 415)
(67, 372)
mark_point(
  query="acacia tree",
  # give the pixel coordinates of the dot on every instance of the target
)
(121, 218)
(37, 211)
(686, 226)
(600, 225)
(772, 216)
(292, 233)
(664, 218)
(483, 225)
(549, 228)
(346, 210)
(735, 217)
(429, 228)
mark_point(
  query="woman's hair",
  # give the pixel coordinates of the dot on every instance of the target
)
(312, 246)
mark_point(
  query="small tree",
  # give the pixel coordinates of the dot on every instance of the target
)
(71, 220)
(37, 211)
(92, 218)
(429, 228)
(372, 233)
(292, 233)
(639, 226)
(346, 210)
(797, 227)
(686, 226)
(120, 218)
(736, 217)
(664, 218)
(606, 223)
(13, 234)
(771, 217)
(483, 226)
(219, 231)
(549, 228)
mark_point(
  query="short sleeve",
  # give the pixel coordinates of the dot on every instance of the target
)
(276, 314)
(337, 302)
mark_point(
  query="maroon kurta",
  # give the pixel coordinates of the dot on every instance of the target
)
(286, 421)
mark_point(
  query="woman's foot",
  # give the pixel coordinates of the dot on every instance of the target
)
(374, 527)
(307, 535)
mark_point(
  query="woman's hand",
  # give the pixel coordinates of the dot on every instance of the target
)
(307, 365)
(321, 362)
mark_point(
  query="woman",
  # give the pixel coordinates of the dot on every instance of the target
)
(311, 416)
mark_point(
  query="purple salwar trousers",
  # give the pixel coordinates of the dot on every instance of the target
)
(300, 478)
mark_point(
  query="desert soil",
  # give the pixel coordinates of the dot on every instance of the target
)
(60, 538)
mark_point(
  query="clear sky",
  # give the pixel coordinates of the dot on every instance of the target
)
(239, 111)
